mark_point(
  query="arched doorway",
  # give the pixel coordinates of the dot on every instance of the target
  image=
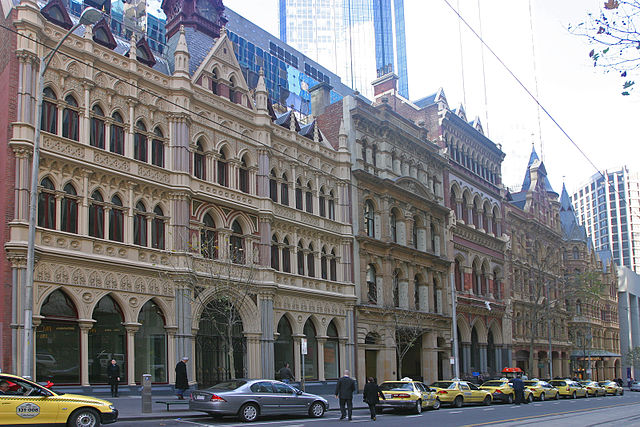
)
(331, 353)
(475, 351)
(283, 346)
(58, 341)
(311, 358)
(151, 344)
(491, 354)
(461, 357)
(220, 344)
(107, 340)
(372, 345)
(412, 362)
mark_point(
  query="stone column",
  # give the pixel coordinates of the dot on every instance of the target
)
(171, 353)
(351, 340)
(267, 358)
(483, 357)
(429, 357)
(254, 370)
(498, 357)
(297, 357)
(321, 340)
(58, 213)
(131, 328)
(403, 294)
(184, 333)
(85, 326)
(466, 357)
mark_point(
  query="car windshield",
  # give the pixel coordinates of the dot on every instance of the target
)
(604, 382)
(444, 384)
(493, 384)
(554, 382)
(530, 383)
(228, 385)
(391, 386)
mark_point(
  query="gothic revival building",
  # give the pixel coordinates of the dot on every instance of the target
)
(175, 209)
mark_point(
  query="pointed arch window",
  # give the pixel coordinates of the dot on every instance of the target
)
(321, 203)
(395, 283)
(416, 292)
(414, 232)
(458, 278)
(298, 195)
(116, 143)
(70, 119)
(223, 178)
(96, 136)
(140, 225)
(286, 256)
(214, 81)
(433, 237)
(309, 198)
(374, 153)
(333, 270)
(157, 229)
(157, 148)
(273, 186)
(243, 175)
(96, 215)
(300, 259)
(331, 206)
(323, 265)
(69, 210)
(275, 253)
(232, 92)
(209, 238)
(394, 226)
(116, 220)
(47, 204)
(372, 287)
(199, 168)
(140, 142)
(311, 262)
(49, 116)
(436, 296)
(284, 190)
(369, 225)
(236, 244)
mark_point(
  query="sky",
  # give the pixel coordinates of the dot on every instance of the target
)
(540, 51)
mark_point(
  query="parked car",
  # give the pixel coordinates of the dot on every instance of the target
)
(593, 388)
(542, 390)
(569, 388)
(456, 393)
(635, 386)
(249, 399)
(502, 390)
(612, 387)
(407, 394)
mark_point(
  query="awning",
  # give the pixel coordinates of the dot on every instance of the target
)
(593, 353)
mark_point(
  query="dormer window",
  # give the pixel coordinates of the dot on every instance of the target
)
(214, 81)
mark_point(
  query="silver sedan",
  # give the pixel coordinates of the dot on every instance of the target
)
(249, 399)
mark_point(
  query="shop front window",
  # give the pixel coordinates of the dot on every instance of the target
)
(311, 358)
(283, 346)
(151, 344)
(107, 340)
(331, 353)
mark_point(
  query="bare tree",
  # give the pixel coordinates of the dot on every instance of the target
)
(632, 357)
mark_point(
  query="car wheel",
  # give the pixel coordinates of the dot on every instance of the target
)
(621, 392)
(85, 417)
(573, 395)
(541, 397)
(436, 404)
(486, 401)
(418, 408)
(530, 398)
(457, 402)
(615, 393)
(557, 396)
(316, 410)
(249, 412)
(510, 399)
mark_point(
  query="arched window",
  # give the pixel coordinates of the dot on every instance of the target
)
(157, 229)
(311, 265)
(395, 289)
(107, 340)
(273, 186)
(199, 167)
(433, 236)
(151, 344)
(96, 215)
(157, 148)
(458, 276)
(70, 120)
(333, 273)
(236, 244)
(208, 238)
(332, 206)
(140, 225)
(49, 118)
(321, 203)
(222, 169)
(286, 256)
(300, 259)
(364, 151)
(309, 198)
(576, 253)
(311, 358)
(116, 220)
(416, 292)
(116, 144)
(96, 136)
(393, 225)
(275, 253)
(283, 347)
(214, 81)
(232, 92)
(298, 195)
(69, 210)
(374, 154)
(140, 142)
(243, 175)
(578, 308)
(284, 190)
(372, 287)
(436, 296)
(369, 226)
(331, 352)
(414, 232)
(323, 265)
(47, 204)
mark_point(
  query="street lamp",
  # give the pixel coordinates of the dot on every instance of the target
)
(89, 16)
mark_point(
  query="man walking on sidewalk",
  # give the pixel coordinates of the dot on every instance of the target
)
(182, 383)
(345, 387)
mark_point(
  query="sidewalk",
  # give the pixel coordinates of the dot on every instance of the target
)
(130, 407)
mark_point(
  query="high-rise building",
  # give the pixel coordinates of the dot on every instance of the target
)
(359, 40)
(608, 205)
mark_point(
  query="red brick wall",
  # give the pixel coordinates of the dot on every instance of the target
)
(329, 122)
(8, 103)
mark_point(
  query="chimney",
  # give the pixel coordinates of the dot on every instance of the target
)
(320, 98)
(385, 83)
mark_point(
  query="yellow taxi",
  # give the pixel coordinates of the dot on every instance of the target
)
(501, 390)
(593, 388)
(612, 387)
(23, 402)
(407, 394)
(569, 388)
(456, 393)
(541, 390)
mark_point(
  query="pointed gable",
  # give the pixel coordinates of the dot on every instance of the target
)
(56, 12)
(102, 35)
(570, 227)
(144, 54)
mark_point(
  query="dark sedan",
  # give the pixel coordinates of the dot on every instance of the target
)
(249, 399)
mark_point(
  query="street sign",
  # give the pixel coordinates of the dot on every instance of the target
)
(303, 343)
(452, 360)
(541, 365)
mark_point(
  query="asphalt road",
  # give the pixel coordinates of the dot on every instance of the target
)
(609, 410)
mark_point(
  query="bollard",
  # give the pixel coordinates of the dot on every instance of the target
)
(146, 393)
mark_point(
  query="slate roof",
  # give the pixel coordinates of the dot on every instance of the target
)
(526, 183)
(606, 257)
(570, 227)
(199, 45)
(426, 101)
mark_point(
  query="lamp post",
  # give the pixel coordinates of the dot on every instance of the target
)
(89, 16)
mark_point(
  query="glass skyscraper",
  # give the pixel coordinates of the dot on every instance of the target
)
(359, 40)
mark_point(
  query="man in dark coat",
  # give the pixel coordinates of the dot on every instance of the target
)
(286, 376)
(370, 396)
(182, 383)
(518, 387)
(344, 391)
(113, 375)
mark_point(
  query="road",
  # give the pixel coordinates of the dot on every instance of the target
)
(610, 410)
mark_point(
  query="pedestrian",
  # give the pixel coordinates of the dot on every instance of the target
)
(518, 388)
(182, 383)
(370, 395)
(113, 375)
(344, 391)
(286, 376)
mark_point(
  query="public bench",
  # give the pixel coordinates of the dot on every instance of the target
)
(173, 402)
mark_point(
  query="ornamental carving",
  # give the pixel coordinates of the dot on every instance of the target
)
(111, 161)
(62, 147)
(289, 303)
(154, 174)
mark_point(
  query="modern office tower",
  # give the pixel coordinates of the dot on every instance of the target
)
(608, 205)
(359, 40)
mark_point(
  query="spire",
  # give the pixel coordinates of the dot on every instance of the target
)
(565, 200)
(261, 93)
(181, 55)
(133, 49)
(342, 137)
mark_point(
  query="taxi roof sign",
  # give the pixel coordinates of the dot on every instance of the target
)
(512, 370)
